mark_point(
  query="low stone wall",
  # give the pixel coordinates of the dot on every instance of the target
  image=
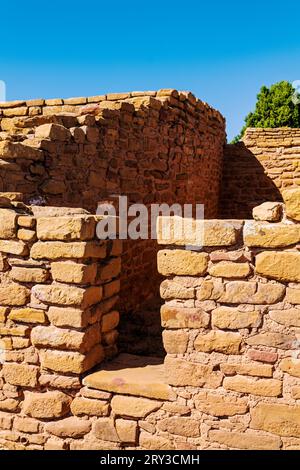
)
(58, 288)
(259, 169)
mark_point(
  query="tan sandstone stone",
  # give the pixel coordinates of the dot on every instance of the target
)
(280, 419)
(46, 405)
(255, 370)
(220, 405)
(291, 366)
(274, 340)
(183, 317)
(75, 273)
(13, 294)
(284, 266)
(63, 338)
(54, 250)
(175, 342)
(20, 374)
(27, 315)
(229, 269)
(289, 317)
(127, 430)
(262, 387)
(220, 341)
(84, 406)
(293, 295)
(8, 223)
(232, 318)
(133, 406)
(291, 199)
(29, 274)
(63, 294)
(182, 262)
(245, 441)
(181, 373)
(268, 211)
(69, 427)
(180, 426)
(71, 362)
(76, 227)
(271, 235)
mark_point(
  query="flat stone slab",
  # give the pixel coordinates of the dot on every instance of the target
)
(132, 375)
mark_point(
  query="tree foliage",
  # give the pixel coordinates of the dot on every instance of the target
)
(275, 107)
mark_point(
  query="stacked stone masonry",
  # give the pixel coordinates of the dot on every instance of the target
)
(259, 169)
(154, 147)
(231, 317)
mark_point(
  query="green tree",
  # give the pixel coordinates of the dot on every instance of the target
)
(275, 107)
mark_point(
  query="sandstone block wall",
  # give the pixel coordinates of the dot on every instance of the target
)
(59, 286)
(259, 169)
(153, 147)
(231, 332)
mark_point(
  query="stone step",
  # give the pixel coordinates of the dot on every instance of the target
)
(132, 375)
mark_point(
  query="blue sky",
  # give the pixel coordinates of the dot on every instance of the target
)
(221, 51)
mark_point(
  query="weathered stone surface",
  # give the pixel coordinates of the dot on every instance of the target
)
(109, 321)
(284, 266)
(59, 381)
(182, 262)
(220, 405)
(180, 426)
(73, 362)
(291, 199)
(104, 429)
(26, 235)
(280, 419)
(8, 223)
(63, 338)
(52, 131)
(256, 370)
(84, 406)
(270, 235)
(262, 387)
(28, 425)
(27, 315)
(69, 427)
(27, 274)
(132, 375)
(172, 289)
(127, 430)
(245, 441)
(133, 407)
(274, 340)
(262, 356)
(69, 317)
(13, 247)
(293, 295)
(232, 318)
(9, 404)
(75, 273)
(183, 317)
(75, 227)
(291, 366)
(13, 294)
(176, 231)
(18, 330)
(268, 211)
(63, 294)
(54, 250)
(46, 405)
(181, 373)
(175, 342)
(289, 317)
(4, 311)
(110, 270)
(220, 341)
(15, 150)
(229, 269)
(147, 441)
(20, 374)
(251, 292)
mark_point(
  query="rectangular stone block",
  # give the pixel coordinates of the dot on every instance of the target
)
(24, 375)
(63, 338)
(71, 362)
(219, 341)
(260, 234)
(63, 294)
(183, 317)
(261, 387)
(30, 275)
(181, 262)
(75, 273)
(86, 407)
(220, 405)
(69, 317)
(280, 419)
(56, 250)
(182, 373)
(245, 440)
(13, 294)
(13, 247)
(283, 266)
(8, 222)
(68, 228)
(27, 315)
(232, 318)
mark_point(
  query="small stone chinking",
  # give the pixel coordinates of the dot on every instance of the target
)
(231, 376)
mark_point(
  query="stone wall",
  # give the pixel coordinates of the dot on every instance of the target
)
(258, 169)
(231, 320)
(153, 147)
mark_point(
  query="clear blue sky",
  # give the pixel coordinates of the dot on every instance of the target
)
(221, 51)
